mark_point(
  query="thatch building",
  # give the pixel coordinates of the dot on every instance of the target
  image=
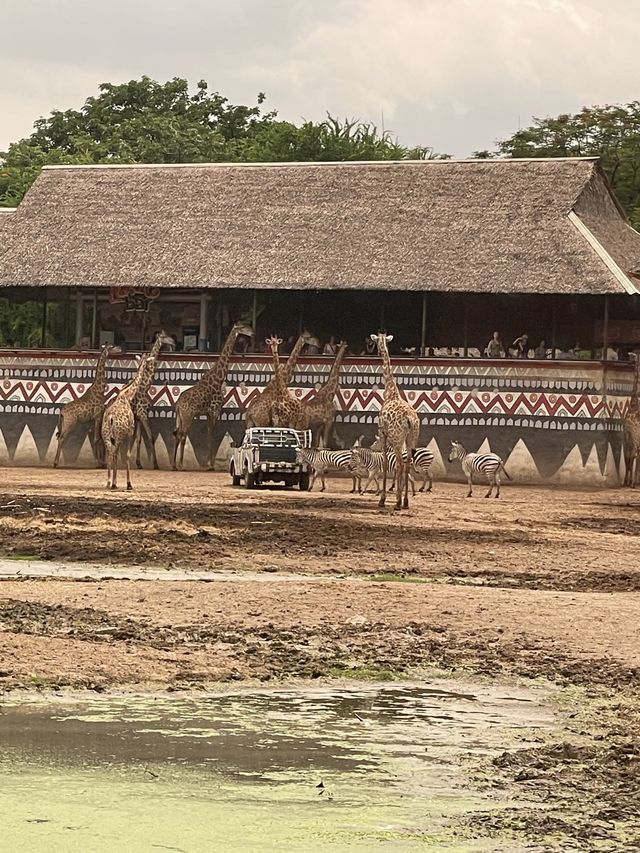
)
(439, 252)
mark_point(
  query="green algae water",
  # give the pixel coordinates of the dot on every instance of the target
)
(354, 768)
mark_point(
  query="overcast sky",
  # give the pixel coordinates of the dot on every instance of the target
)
(452, 74)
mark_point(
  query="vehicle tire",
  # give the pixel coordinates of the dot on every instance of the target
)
(235, 480)
(249, 479)
(304, 482)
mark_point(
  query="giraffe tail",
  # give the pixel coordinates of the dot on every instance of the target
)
(59, 429)
(111, 436)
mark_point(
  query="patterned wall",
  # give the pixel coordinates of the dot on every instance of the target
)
(556, 422)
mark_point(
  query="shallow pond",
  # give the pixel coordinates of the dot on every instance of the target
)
(328, 769)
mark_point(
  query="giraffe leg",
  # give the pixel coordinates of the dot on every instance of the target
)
(115, 451)
(210, 426)
(62, 434)
(406, 477)
(144, 432)
(127, 461)
(385, 465)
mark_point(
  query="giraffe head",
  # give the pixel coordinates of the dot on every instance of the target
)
(273, 343)
(165, 340)
(382, 339)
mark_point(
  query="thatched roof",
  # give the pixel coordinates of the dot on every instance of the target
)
(548, 226)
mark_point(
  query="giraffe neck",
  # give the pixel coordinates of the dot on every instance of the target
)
(328, 390)
(391, 391)
(280, 380)
(290, 366)
(215, 376)
(130, 390)
(100, 382)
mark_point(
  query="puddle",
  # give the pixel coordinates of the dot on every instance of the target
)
(241, 771)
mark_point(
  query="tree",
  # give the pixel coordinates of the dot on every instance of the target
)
(610, 132)
(144, 121)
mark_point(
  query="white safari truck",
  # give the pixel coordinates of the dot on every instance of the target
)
(268, 454)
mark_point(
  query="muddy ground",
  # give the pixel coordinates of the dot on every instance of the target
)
(541, 583)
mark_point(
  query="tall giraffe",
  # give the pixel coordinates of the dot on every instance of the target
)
(203, 398)
(259, 410)
(118, 425)
(286, 411)
(320, 408)
(398, 425)
(141, 401)
(631, 429)
(87, 408)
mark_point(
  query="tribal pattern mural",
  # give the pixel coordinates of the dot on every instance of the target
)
(559, 422)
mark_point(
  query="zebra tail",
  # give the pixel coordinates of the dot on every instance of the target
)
(504, 470)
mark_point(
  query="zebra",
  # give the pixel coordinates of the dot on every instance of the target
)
(489, 464)
(369, 463)
(320, 461)
(420, 466)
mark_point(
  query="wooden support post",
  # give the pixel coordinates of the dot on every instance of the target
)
(382, 325)
(67, 317)
(43, 331)
(203, 332)
(466, 327)
(79, 317)
(423, 328)
(605, 328)
(94, 322)
(254, 321)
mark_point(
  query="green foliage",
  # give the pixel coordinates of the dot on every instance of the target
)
(21, 324)
(144, 121)
(609, 132)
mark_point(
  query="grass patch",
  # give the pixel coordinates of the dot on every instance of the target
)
(398, 577)
(364, 673)
(18, 557)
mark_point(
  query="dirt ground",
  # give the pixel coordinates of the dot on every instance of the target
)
(541, 583)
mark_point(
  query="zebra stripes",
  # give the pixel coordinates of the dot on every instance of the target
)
(368, 462)
(321, 461)
(489, 464)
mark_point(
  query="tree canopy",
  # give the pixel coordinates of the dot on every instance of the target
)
(144, 121)
(609, 132)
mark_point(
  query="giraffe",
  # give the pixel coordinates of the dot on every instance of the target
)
(118, 425)
(631, 430)
(259, 410)
(141, 401)
(320, 408)
(87, 408)
(203, 398)
(286, 411)
(398, 425)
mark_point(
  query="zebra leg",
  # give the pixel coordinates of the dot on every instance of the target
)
(470, 482)
(497, 485)
(413, 485)
(491, 478)
(323, 484)
(430, 479)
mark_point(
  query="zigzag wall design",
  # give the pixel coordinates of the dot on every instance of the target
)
(505, 402)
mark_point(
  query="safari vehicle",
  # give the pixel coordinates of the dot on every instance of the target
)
(268, 454)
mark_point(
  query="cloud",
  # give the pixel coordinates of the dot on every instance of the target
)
(454, 74)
